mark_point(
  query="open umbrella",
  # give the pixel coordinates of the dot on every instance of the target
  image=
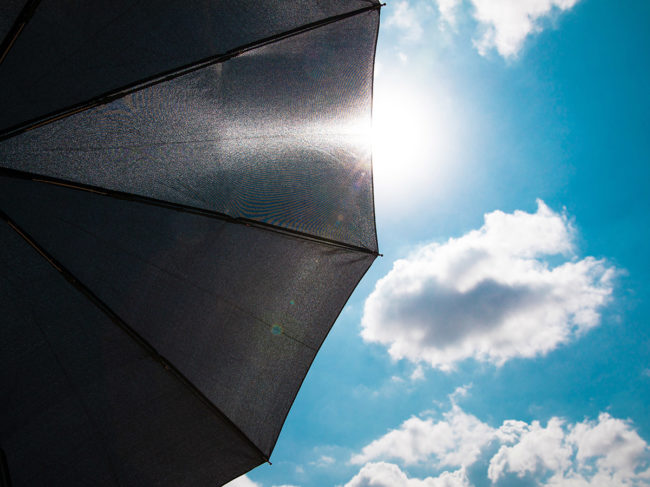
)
(186, 196)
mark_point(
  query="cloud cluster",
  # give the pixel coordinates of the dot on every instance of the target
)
(504, 24)
(606, 451)
(490, 295)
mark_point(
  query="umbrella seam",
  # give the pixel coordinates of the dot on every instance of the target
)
(15, 173)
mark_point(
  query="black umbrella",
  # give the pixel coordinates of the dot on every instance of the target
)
(186, 193)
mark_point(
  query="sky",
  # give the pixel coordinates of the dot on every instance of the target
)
(503, 339)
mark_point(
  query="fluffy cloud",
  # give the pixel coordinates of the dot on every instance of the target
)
(505, 24)
(604, 452)
(418, 373)
(448, 11)
(404, 18)
(490, 294)
(536, 449)
(459, 439)
(382, 474)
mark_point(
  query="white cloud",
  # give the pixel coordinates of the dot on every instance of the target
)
(507, 23)
(242, 481)
(418, 373)
(504, 24)
(448, 11)
(617, 448)
(460, 391)
(537, 448)
(324, 461)
(490, 294)
(404, 18)
(458, 441)
(604, 452)
(382, 474)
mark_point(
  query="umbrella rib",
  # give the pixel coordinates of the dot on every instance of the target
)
(16, 29)
(139, 339)
(18, 174)
(130, 88)
(257, 319)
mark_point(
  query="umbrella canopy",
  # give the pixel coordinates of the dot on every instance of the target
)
(186, 196)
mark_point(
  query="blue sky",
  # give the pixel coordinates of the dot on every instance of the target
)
(511, 168)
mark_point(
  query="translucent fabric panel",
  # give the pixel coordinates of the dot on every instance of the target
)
(240, 311)
(83, 404)
(280, 135)
(75, 50)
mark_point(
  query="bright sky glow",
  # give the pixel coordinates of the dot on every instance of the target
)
(413, 136)
(408, 133)
(504, 337)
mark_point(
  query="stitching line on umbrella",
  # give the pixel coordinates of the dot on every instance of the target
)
(15, 173)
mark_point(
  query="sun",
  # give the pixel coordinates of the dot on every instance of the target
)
(410, 138)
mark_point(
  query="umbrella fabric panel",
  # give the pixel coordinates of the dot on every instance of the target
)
(74, 51)
(9, 11)
(84, 404)
(239, 310)
(279, 135)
